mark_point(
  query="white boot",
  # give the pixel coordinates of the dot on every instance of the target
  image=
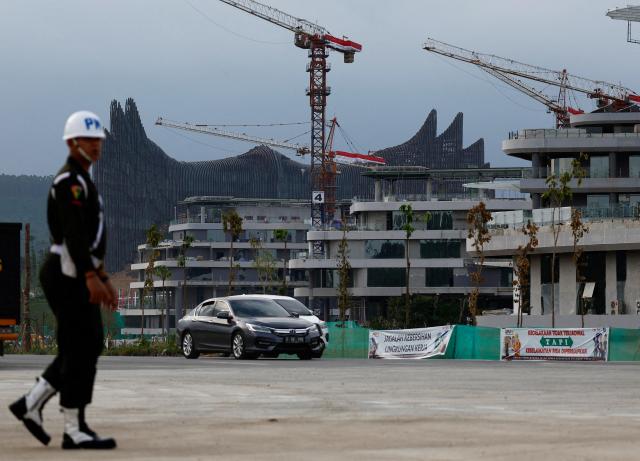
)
(29, 407)
(75, 437)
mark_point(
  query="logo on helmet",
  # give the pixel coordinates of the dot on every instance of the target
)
(92, 122)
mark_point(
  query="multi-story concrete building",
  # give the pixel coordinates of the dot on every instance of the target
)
(376, 245)
(207, 261)
(608, 198)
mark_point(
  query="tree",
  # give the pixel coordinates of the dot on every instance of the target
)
(231, 225)
(164, 273)
(578, 229)
(522, 277)
(264, 263)
(477, 219)
(558, 194)
(282, 235)
(344, 270)
(182, 262)
(153, 240)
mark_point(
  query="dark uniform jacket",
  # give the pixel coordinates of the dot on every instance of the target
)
(76, 220)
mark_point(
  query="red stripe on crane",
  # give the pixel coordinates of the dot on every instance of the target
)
(369, 158)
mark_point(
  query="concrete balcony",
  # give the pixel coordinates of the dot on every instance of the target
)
(606, 235)
(588, 185)
(574, 140)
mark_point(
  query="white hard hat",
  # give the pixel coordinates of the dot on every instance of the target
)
(83, 124)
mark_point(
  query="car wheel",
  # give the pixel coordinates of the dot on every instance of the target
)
(305, 356)
(189, 347)
(239, 348)
(317, 355)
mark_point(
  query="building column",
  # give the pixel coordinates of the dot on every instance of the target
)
(535, 165)
(611, 291)
(429, 188)
(568, 290)
(535, 286)
(178, 306)
(613, 165)
(377, 185)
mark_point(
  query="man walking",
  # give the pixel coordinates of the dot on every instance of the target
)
(75, 284)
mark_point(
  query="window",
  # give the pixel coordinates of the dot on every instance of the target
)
(207, 310)
(599, 167)
(198, 273)
(440, 220)
(386, 277)
(561, 165)
(634, 166)
(597, 201)
(215, 235)
(384, 249)
(440, 249)
(220, 306)
(439, 277)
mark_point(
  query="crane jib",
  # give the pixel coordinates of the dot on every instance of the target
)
(342, 44)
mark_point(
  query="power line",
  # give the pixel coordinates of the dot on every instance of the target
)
(208, 18)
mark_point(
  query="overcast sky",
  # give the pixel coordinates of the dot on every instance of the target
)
(204, 61)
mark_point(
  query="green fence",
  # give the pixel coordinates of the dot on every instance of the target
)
(349, 340)
(624, 345)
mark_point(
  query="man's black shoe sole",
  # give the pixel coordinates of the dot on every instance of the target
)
(97, 444)
(19, 409)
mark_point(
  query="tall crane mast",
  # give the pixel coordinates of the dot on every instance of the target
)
(299, 149)
(513, 72)
(318, 41)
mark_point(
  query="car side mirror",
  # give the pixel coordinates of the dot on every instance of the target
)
(224, 315)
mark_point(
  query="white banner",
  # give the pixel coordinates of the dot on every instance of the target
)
(554, 344)
(417, 343)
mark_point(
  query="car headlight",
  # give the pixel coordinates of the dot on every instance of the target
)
(258, 328)
(323, 326)
(315, 328)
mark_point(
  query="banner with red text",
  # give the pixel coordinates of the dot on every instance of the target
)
(554, 344)
(416, 343)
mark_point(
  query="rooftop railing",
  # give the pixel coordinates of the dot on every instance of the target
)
(566, 133)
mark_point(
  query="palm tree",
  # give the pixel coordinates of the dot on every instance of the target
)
(232, 225)
(408, 229)
(182, 262)
(154, 236)
(282, 235)
(164, 273)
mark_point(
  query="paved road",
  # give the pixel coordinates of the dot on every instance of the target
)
(217, 408)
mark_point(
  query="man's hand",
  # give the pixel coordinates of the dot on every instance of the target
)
(98, 291)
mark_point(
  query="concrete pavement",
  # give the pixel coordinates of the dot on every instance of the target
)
(217, 408)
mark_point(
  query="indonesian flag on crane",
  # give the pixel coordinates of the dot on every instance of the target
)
(351, 157)
(342, 44)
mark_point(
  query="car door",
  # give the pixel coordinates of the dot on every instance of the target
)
(201, 326)
(222, 327)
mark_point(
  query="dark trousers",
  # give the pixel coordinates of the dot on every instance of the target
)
(79, 335)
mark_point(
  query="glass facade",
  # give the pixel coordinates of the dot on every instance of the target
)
(330, 278)
(439, 277)
(436, 220)
(386, 277)
(440, 249)
(634, 166)
(384, 249)
(599, 167)
(597, 201)
(561, 165)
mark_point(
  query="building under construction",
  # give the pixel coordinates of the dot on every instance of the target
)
(141, 184)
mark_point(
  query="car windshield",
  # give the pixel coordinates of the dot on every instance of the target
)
(294, 306)
(257, 308)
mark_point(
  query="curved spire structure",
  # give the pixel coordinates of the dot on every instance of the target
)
(141, 184)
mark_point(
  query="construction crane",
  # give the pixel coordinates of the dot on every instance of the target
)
(629, 14)
(331, 157)
(514, 72)
(318, 41)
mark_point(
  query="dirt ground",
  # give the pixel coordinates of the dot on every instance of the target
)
(216, 408)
